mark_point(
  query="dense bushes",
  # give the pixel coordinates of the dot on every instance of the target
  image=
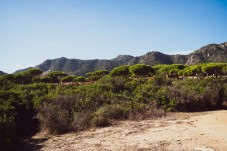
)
(198, 95)
(17, 112)
(8, 135)
(121, 98)
(59, 108)
(93, 76)
(73, 79)
(98, 104)
(141, 70)
(120, 71)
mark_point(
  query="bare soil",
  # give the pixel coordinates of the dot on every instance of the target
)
(206, 131)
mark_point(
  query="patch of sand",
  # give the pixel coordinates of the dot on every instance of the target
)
(205, 131)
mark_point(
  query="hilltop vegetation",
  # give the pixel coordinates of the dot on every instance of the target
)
(56, 102)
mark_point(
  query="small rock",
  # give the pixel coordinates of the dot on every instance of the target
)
(202, 134)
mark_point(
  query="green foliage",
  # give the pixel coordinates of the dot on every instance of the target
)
(213, 69)
(159, 66)
(79, 79)
(33, 72)
(8, 136)
(141, 70)
(100, 118)
(55, 76)
(191, 71)
(224, 69)
(198, 94)
(115, 84)
(43, 79)
(94, 76)
(68, 78)
(120, 71)
(27, 76)
(170, 70)
(57, 73)
(204, 69)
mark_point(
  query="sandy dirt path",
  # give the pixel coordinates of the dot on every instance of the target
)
(205, 131)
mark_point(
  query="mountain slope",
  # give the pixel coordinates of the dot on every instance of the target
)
(208, 53)
(76, 66)
(2, 73)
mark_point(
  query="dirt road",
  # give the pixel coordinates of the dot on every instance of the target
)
(205, 131)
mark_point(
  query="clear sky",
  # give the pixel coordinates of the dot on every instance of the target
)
(32, 31)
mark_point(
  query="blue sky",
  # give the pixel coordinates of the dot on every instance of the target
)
(32, 31)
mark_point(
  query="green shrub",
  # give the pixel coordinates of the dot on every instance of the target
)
(8, 134)
(79, 79)
(141, 70)
(197, 95)
(120, 71)
(94, 76)
(100, 121)
(68, 78)
(115, 84)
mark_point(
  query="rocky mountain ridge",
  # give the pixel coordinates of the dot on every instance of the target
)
(208, 53)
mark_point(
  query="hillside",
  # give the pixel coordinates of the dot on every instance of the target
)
(2, 73)
(208, 53)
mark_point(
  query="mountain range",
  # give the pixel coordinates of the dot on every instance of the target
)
(208, 53)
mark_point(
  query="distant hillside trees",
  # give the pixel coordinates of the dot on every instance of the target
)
(79, 79)
(191, 71)
(68, 78)
(23, 77)
(141, 70)
(202, 70)
(213, 69)
(55, 76)
(120, 71)
(93, 76)
(170, 70)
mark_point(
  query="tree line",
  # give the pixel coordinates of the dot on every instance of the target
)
(135, 71)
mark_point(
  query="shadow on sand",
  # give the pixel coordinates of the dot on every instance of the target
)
(31, 144)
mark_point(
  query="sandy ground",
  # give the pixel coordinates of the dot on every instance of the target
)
(206, 131)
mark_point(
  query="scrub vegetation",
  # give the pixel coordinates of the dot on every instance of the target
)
(57, 103)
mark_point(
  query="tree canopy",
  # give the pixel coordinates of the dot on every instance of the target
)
(93, 76)
(141, 70)
(120, 71)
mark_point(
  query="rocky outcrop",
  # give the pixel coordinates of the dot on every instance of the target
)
(209, 53)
